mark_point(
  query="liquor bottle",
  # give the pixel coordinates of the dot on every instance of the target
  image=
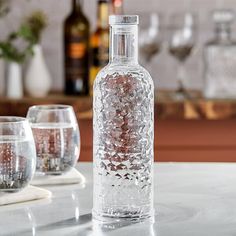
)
(220, 58)
(118, 7)
(100, 41)
(123, 108)
(76, 51)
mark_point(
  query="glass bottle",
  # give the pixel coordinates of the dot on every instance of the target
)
(100, 41)
(123, 129)
(76, 51)
(220, 59)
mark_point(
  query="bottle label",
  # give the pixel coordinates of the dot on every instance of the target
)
(77, 58)
(76, 50)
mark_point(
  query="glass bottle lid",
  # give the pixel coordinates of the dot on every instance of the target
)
(123, 20)
(223, 16)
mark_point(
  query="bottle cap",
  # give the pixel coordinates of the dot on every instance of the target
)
(223, 16)
(123, 20)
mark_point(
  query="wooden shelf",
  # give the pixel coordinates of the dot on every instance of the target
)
(165, 107)
(19, 107)
(187, 130)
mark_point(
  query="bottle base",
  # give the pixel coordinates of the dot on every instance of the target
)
(121, 216)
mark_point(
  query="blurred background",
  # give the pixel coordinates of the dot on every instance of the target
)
(187, 46)
(52, 40)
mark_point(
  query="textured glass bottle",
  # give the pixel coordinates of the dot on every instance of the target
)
(220, 59)
(123, 129)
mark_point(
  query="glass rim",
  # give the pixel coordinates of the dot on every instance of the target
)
(12, 120)
(51, 107)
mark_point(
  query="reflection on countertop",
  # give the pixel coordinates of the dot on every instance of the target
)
(189, 199)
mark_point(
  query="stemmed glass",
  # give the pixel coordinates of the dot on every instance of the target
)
(17, 154)
(149, 40)
(57, 138)
(181, 42)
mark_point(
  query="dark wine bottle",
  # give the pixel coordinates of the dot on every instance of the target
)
(76, 51)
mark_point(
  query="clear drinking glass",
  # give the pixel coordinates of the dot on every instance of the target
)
(17, 153)
(57, 138)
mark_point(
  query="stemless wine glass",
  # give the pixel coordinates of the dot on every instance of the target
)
(57, 138)
(181, 42)
(17, 153)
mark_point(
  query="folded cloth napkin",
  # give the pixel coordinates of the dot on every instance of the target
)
(29, 193)
(71, 177)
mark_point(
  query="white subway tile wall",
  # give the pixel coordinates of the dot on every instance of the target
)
(162, 67)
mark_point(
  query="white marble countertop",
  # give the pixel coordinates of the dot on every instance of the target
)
(190, 200)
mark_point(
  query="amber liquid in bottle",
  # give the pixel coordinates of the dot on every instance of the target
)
(100, 41)
(76, 51)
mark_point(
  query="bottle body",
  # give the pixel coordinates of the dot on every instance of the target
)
(220, 70)
(123, 124)
(76, 51)
(123, 143)
(220, 59)
(100, 42)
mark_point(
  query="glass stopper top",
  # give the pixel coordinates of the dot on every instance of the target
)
(223, 16)
(123, 20)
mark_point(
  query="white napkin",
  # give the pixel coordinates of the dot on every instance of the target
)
(71, 177)
(29, 193)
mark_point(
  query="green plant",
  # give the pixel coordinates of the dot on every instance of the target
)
(19, 44)
(33, 26)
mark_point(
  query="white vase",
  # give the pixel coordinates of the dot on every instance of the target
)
(14, 81)
(37, 79)
(2, 77)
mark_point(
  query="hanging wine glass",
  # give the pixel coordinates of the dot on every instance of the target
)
(149, 40)
(181, 42)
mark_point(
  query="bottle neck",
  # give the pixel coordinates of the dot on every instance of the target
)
(103, 15)
(77, 5)
(124, 44)
(118, 7)
(223, 32)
